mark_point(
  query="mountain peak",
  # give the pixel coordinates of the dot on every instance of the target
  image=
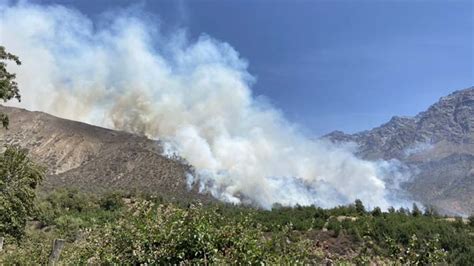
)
(437, 143)
(467, 92)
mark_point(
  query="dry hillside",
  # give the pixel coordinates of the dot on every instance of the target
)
(95, 159)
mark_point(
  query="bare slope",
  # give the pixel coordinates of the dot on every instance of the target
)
(438, 144)
(95, 159)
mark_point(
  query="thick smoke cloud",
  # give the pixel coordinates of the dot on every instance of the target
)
(121, 72)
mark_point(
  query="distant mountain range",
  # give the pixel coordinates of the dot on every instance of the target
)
(438, 147)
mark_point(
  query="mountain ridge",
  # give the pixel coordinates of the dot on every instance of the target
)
(438, 146)
(95, 159)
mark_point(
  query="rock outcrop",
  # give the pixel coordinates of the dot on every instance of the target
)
(437, 144)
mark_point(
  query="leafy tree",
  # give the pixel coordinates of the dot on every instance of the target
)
(431, 211)
(19, 177)
(403, 211)
(376, 211)
(111, 201)
(415, 212)
(359, 206)
(391, 209)
(8, 86)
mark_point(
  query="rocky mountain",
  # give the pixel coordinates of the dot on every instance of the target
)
(438, 147)
(95, 159)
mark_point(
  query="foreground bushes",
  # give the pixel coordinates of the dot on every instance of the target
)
(165, 234)
(118, 229)
(19, 177)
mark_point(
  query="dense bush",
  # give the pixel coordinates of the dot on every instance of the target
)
(19, 177)
(111, 201)
(106, 230)
(165, 234)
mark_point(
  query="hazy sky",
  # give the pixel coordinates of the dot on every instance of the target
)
(346, 65)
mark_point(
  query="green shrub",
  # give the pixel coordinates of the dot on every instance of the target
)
(111, 201)
(32, 249)
(103, 231)
(471, 220)
(359, 207)
(71, 200)
(164, 234)
(19, 177)
(376, 212)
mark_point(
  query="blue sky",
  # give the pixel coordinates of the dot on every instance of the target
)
(345, 65)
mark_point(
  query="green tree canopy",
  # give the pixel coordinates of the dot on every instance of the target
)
(19, 177)
(359, 206)
(471, 220)
(376, 211)
(8, 86)
(415, 210)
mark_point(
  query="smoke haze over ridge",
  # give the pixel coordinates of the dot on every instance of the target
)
(121, 72)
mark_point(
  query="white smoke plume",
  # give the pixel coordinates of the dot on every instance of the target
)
(121, 72)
